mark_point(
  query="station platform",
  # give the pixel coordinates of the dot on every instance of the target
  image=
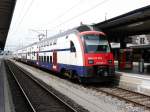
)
(135, 69)
(1, 89)
(134, 79)
(5, 94)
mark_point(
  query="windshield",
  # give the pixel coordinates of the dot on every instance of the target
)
(95, 43)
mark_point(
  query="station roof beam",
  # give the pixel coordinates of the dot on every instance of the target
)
(132, 23)
(6, 12)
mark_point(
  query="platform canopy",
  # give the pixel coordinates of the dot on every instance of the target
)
(135, 22)
(6, 12)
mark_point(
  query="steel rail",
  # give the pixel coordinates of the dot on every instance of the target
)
(103, 90)
(45, 88)
(13, 74)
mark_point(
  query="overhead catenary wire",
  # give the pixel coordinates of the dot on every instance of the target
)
(28, 8)
(21, 20)
(82, 13)
(64, 13)
(58, 17)
(22, 8)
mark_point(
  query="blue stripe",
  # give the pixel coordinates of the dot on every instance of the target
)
(81, 70)
(68, 49)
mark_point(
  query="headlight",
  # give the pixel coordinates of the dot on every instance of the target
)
(91, 61)
(109, 61)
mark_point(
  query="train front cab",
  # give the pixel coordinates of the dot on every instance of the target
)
(98, 65)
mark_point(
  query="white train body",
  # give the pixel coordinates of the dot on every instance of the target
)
(66, 53)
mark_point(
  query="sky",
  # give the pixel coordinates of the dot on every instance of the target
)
(34, 17)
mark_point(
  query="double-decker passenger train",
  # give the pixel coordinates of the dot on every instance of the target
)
(83, 53)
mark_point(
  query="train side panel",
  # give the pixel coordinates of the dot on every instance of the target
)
(70, 58)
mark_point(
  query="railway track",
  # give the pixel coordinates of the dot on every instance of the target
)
(19, 101)
(135, 98)
(38, 96)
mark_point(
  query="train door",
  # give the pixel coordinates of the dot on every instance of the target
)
(54, 64)
(73, 54)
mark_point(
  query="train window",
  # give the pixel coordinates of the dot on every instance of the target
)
(50, 59)
(44, 58)
(50, 43)
(41, 58)
(47, 59)
(72, 47)
(55, 41)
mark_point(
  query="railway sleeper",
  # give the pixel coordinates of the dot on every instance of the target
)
(144, 99)
(127, 95)
(135, 97)
(124, 94)
(147, 102)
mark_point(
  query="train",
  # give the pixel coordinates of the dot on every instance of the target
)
(82, 53)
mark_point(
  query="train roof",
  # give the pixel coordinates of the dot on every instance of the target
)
(76, 29)
(28, 46)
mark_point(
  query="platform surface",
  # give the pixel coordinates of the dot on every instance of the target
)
(134, 79)
(2, 105)
(6, 103)
(135, 69)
